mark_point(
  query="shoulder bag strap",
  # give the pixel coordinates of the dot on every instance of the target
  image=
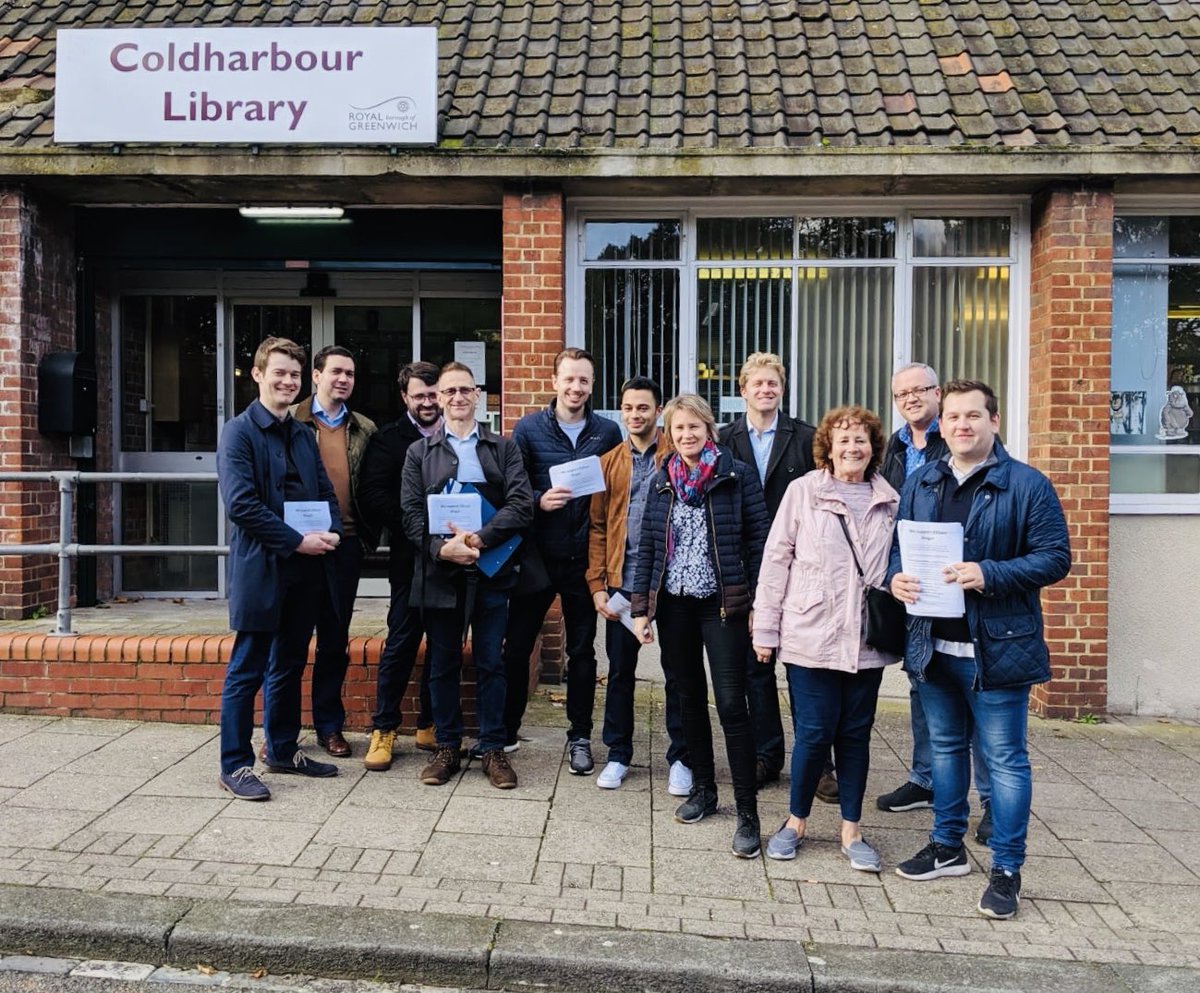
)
(846, 532)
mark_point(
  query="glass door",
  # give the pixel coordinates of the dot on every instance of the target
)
(168, 419)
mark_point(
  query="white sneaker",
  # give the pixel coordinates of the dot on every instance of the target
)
(679, 783)
(612, 776)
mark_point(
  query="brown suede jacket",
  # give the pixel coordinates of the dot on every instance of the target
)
(609, 518)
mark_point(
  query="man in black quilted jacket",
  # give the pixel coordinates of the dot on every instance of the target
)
(565, 430)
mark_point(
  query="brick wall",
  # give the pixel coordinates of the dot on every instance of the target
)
(1070, 357)
(534, 331)
(37, 315)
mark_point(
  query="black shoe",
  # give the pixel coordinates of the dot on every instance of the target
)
(579, 752)
(910, 796)
(934, 861)
(303, 766)
(764, 774)
(983, 833)
(1002, 896)
(701, 803)
(746, 840)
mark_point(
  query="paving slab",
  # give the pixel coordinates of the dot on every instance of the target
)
(589, 959)
(438, 949)
(479, 856)
(236, 839)
(73, 791)
(159, 815)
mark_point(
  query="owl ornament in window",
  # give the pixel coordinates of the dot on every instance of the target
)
(1175, 415)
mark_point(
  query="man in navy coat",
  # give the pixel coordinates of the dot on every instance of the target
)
(266, 461)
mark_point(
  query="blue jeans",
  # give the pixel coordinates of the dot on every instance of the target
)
(405, 629)
(622, 649)
(444, 638)
(333, 636)
(273, 661)
(832, 708)
(690, 628)
(1000, 718)
(922, 758)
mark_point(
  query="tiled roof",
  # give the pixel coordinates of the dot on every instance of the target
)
(675, 75)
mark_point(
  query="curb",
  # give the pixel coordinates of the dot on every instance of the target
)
(483, 954)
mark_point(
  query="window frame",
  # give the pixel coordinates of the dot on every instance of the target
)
(1149, 503)
(903, 209)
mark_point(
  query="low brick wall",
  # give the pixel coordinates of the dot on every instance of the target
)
(176, 679)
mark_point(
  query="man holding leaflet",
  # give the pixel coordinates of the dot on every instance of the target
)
(976, 669)
(916, 395)
(564, 431)
(271, 479)
(462, 577)
(613, 535)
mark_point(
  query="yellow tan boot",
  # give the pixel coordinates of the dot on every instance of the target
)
(427, 739)
(379, 753)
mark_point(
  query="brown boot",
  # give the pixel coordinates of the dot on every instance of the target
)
(444, 764)
(426, 739)
(498, 770)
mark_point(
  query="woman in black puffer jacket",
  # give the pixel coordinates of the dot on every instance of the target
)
(703, 532)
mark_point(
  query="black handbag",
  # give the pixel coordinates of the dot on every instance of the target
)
(884, 619)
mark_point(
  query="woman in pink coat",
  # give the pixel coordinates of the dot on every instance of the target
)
(808, 610)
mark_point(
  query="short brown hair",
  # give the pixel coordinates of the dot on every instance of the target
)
(690, 403)
(283, 345)
(761, 360)
(843, 416)
(970, 386)
(581, 354)
(424, 372)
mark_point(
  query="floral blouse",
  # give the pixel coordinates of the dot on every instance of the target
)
(690, 569)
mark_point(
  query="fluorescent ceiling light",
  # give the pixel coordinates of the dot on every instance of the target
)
(292, 213)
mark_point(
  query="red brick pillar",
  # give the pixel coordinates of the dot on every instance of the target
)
(1070, 355)
(533, 332)
(37, 315)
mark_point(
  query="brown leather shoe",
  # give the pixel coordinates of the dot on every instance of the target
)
(335, 744)
(444, 764)
(498, 770)
(827, 787)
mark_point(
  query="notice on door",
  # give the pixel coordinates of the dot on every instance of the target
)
(247, 85)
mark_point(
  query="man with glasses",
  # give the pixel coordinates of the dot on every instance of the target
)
(379, 494)
(463, 575)
(919, 441)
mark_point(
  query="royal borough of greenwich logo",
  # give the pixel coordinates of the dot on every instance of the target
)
(396, 114)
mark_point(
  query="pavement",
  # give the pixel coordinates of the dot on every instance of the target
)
(116, 843)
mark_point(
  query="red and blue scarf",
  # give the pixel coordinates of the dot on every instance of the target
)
(691, 485)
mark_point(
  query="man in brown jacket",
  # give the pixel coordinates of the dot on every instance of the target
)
(616, 519)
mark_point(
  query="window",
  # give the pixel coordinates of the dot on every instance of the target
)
(1155, 355)
(685, 297)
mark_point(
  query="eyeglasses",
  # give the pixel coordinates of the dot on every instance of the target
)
(916, 391)
(423, 397)
(457, 391)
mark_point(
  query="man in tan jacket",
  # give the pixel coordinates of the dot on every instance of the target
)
(616, 518)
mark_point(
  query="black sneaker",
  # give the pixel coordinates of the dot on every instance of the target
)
(1002, 896)
(579, 752)
(301, 765)
(983, 832)
(910, 796)
(746, 840)
(700, 803)
(934, 861)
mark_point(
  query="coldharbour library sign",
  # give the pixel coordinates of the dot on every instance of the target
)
(247, 85)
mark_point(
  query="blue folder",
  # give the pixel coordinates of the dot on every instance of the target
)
(491, 560)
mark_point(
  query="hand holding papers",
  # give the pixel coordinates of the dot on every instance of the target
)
(621, 607)
(926, 551)
(581, 477)
(307, 516)
(449, 512)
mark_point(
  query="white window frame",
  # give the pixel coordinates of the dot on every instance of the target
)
(903, 209)
(1130, 504)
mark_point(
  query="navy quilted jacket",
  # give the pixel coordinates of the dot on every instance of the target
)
(560, 534)
(738, 521)
(1017, 533)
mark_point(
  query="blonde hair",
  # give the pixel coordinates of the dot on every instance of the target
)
(687, 403)
(761, 360)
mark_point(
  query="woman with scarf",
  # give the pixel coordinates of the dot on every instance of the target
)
(702, 539)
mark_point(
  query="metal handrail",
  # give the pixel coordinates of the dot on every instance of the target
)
(66, 550)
